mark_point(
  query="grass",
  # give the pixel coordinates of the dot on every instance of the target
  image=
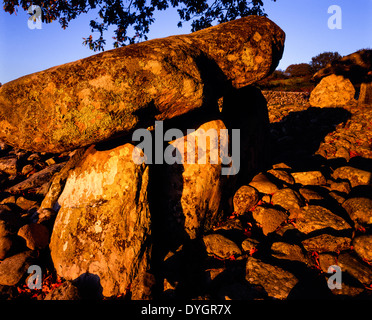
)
(296, 84)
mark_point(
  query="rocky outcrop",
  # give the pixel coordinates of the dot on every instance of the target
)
(111, 93)
(355, 66)
(332, 91)
(103, 225)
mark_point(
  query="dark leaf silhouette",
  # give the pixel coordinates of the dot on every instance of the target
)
(133, 18)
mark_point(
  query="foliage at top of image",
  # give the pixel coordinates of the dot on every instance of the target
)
(133, 18)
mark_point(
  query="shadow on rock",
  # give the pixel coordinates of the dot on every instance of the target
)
(299, 134)
(89, 286)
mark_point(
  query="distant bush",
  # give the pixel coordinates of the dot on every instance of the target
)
(278, 74)
(321, 60)
(299, 70)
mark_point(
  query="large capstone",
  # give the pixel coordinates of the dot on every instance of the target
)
(111, 93)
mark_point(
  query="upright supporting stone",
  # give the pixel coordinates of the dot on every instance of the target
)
(194, 190)
(103, 226)
(192, 196)
(365, 95)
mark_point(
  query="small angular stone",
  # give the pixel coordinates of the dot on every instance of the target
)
(244, 199)
(355, 176)
(36, 235)
(249, 244)
(309, 194)
(13, 268)
(277, 282)
(67, 291)
(343, 186)
(269, 218)
(342, 152)
(309, 178)
(10, 221)
(359, 270)
(363, 247)
(281, 165)
(25, 204)
(221, 246)
(311, 218)
(27, 169)
(326, 260)
(326, 243)
(263, 184)
(9, 200)
(359, 210)
(8, 165)
(287, 199)
(3, 229)
(283, 250)
(335, 195)
(282, 175)
(5, 245)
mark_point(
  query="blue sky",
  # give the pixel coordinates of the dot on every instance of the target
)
(24, 51)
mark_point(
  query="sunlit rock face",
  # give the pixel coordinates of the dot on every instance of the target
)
(103, 225)
(111, 93)
(332, 91)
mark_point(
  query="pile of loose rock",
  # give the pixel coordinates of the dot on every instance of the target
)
(288, 225)
(25, 180)
(351, 138)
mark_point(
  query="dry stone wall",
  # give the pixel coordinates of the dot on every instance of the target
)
(286, 98)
